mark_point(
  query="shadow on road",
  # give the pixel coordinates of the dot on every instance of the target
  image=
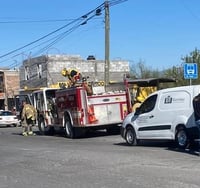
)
(88, 134)
(191, 150)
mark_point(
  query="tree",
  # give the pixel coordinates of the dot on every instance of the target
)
(193, 57)
(175, 72)
(140, 70)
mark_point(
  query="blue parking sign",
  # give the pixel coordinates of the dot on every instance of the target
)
(190, 71)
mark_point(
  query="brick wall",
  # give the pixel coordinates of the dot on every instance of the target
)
(12, 83)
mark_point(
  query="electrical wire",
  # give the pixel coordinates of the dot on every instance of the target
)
(58, 38)
(81, 21)
(47, 35)
(115, 2)
(64, 34)
(35, 21)
(189, 10)
(35, 41)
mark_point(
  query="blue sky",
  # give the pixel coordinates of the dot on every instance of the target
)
(155, 31)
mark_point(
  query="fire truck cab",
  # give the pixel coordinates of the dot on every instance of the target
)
(44, 102)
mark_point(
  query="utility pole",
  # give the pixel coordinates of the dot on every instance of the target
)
(107, 43)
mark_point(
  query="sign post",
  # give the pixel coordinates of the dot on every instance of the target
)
(190, 71)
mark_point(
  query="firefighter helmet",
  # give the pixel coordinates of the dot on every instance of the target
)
(65, 72)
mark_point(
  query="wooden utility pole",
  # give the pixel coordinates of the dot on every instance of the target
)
(107, 43)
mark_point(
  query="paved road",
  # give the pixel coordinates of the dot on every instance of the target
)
(96, 161)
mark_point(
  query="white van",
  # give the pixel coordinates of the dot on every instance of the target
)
(165, 115)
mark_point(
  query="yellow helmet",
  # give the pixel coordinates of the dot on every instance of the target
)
(64, 72)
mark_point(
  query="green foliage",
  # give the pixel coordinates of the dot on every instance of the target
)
(193, 57)
(140, 70)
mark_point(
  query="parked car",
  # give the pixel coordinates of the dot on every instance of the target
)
(167, 114)
(8, 118)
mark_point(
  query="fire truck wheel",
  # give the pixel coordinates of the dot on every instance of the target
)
(69, 130)
(44, 130)
(131, 136)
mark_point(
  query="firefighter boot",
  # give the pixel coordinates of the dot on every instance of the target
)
(31, 133)
(24, 134)
(25, 131)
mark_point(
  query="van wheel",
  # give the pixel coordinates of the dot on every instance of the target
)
(69, 130)
(131, 137)
(181, 138)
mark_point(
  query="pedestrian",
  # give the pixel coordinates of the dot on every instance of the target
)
(28, 118)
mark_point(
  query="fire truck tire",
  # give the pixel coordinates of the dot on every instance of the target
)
(69, 130)
(44, 130)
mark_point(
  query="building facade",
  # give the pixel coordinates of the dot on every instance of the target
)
(44, 71)
(9, 87)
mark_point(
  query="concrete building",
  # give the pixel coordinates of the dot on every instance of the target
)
(9, 87)
(44, 71)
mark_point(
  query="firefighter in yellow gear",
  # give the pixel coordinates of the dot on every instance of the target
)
(28, 118)
(86, 86)
(73, 75)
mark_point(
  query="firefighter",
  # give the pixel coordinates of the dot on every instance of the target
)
(51, 106)
(28, 118)
(86, 86)
(73, 76)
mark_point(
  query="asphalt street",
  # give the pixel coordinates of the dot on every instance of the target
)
(98, 160)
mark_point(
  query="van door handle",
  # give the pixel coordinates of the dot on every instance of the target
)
(151, 116)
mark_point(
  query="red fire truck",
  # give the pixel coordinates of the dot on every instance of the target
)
(75, 111)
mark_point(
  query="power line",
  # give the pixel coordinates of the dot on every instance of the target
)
(51, 33)
(66, 33)
(35, 21)
(115, 2)
(190, 10)
(58, 38)
(45, 36)
(81, 21)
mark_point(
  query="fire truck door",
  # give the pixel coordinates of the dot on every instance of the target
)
(107, 113)
(114, 112)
